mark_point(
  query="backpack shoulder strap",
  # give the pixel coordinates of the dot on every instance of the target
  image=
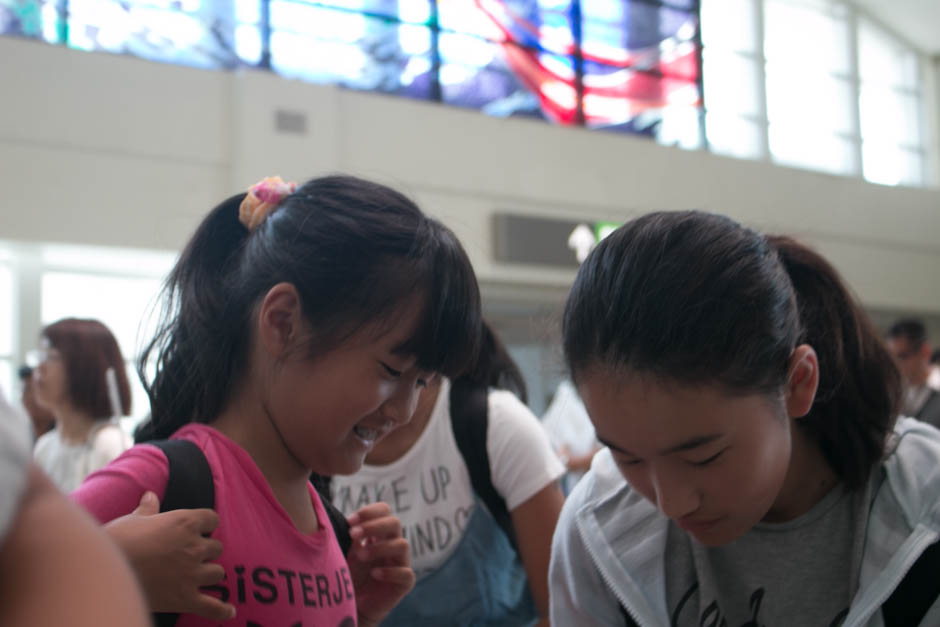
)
(916, 593)
(324, 488)
(188, 486)
(469, 417)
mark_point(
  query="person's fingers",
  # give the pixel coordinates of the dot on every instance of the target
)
(376, 529)
(202, 521)
(149, 505)
(208, 574)
(212, 608)
(375, 510)
(212, 549)
(396, 552)
(399, 575)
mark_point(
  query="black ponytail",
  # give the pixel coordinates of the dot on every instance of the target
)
(202, 341)
(357, 252)
(495, 367)
(859, 386)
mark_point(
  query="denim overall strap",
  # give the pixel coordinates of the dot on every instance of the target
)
(482, 583)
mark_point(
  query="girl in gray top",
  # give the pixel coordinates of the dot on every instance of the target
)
(754, 473)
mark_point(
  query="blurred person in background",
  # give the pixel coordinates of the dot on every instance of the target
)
(42, 419)
(48, 548)
(907, 341)
(80, 378)
(571, 433)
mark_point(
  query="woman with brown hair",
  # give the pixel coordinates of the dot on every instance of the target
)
(77, 359)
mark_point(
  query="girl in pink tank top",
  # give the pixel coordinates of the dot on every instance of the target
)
(300, 325)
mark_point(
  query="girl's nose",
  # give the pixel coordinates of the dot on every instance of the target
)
(400, 407)
(675, 496)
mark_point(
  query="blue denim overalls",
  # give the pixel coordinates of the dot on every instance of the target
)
(483, 582)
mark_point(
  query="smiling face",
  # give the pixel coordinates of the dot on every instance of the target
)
(712, 462)
(330, 410)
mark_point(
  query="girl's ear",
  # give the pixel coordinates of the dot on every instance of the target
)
(802, 381)
(280, 319)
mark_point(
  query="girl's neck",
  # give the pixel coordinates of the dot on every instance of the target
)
(809, 479)
(394, 445)
(245, 421)
(73, 425)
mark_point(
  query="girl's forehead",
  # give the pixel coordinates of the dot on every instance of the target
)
(654, 414)
(395, 331)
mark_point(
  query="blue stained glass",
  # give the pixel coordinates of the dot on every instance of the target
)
(412, 11)
(37, 20)
(637, 67)
(523, 22)
(641, 26)
(355, 51)
(187, 32)
(603, 10)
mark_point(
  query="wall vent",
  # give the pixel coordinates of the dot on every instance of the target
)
(292, 122)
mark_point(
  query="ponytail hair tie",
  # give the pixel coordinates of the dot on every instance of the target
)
(261, 200)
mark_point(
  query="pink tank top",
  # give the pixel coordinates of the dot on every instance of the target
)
(275, 575)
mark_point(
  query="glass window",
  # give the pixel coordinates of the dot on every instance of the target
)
(734, 136)
(802, 147)
(36, 19)
(812, 35)
(338, 46)
(811, 102)
(890, 115)
(729, 25)
(889, 164)
(633, 65)
(733, 82)
(889, 109)
(188, 32)
(123, 304)
(884, 60)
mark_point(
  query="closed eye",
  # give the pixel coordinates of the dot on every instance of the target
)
(706, 462)
(391, 371)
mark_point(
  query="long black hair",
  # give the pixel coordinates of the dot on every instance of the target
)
(697, 298)
(356, 251)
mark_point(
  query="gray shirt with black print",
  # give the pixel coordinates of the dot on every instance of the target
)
(801, 572)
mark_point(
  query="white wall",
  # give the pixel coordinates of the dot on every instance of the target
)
(103, 149)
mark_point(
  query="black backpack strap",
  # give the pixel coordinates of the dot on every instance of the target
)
(469, 417)
(337, 519)
(188, 486)
(917, 592)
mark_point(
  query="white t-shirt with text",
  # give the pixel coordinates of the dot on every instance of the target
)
(429, 487)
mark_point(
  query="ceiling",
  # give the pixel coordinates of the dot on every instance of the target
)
(918, 21)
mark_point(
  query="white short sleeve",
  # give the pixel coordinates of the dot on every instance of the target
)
(15, 441)
(108, 443)
(521, 459)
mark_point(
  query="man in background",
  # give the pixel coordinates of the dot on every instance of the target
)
(907, 341)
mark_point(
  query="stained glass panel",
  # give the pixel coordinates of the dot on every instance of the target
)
(629, 64)
(33, 19)
(333, 46)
